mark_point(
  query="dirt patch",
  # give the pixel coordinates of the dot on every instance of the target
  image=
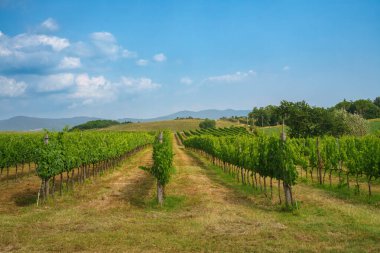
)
(19, 193)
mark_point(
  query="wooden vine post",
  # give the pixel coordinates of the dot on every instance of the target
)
(319, 162)
(46, 183)
(287, 187)
(44, 189)
(160, 187)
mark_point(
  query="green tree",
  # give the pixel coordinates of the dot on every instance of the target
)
(207, 123)
(95, 124)
(348, 124)
(377, 101)
(345, 105)
(365, 108)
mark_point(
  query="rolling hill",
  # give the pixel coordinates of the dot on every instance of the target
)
(23, 123)
(211, 114)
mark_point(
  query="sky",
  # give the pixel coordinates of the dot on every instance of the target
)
(142, 59)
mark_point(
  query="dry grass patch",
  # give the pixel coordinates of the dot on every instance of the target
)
(173, 125)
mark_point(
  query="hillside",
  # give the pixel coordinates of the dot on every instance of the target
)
(210, 114)
(23, 123)
(95, 124)
(174, 125)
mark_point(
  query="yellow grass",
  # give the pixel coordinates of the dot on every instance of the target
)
(173, 125)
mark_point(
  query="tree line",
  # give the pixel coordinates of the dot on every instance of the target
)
(95, 124)
(303, 120)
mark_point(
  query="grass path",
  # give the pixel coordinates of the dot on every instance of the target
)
(205, 211)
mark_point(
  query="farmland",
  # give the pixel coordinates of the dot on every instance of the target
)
(190, 126)
(117, 212)
(173, 125)
(193, 124)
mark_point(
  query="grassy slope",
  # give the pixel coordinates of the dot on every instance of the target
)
(174, 125)
(205, 211)
(271, 130)
(374, 125)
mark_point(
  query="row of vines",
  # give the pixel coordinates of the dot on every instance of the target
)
(254, 159)
(162, 168)
(18, 151)
(345, 157)
(60, 154)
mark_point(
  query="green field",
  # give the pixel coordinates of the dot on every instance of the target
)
(374, 125)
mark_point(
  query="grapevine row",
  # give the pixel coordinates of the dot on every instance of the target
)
(274, 158)
(61, 153)
(162, 168)
(346, 156)
(249, 158)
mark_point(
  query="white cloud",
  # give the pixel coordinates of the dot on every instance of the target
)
(31, 52)
(25, 41)
(50, 25)
(186, 80)
(236, 77)
(129, 54)
(103, 36)
(91, 88)
(55, 82)
(70, 63)
(42, 53)
(82, 49)
(11, 88)
(142, 62)
(106, 44)
(286, 68)
(138, 84)
(159, 57)
(5, 51)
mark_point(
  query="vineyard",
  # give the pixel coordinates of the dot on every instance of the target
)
(210, 186)
(218, 131)
(56, 154)
(246, 157)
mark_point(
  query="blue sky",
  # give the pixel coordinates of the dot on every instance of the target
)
(150, 58)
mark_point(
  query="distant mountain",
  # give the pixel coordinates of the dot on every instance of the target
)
(211, 114)
(22, 123)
